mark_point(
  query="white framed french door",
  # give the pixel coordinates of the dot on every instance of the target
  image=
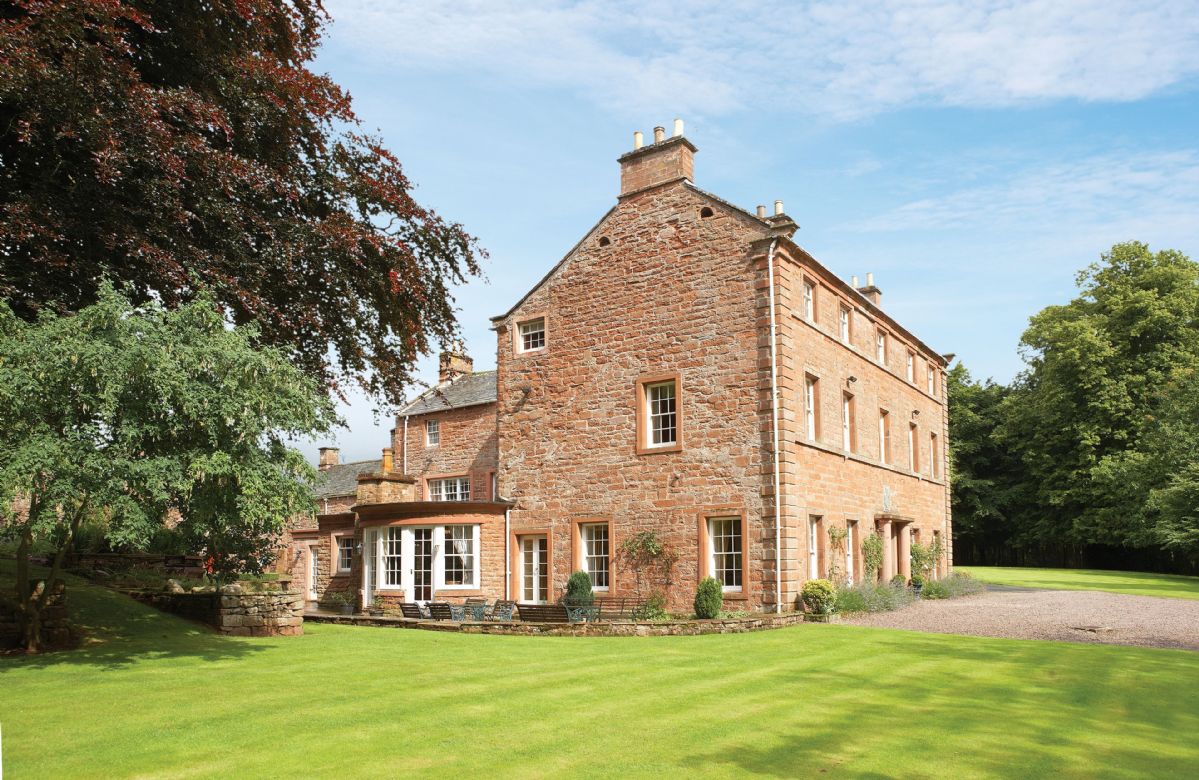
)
(421, 570)
(370, 565)
(312, 571)
(534, 569)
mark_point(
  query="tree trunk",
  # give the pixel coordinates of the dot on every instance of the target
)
(31, 600)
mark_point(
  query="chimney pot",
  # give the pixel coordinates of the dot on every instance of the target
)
(853, 281)
(778, 207)
(388, 464)
(761, 212)
(870, 279)
(638, 140)
(678, 127)
(659, 134)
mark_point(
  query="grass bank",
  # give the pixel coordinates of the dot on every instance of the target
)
(156, 696)
(1132, 582)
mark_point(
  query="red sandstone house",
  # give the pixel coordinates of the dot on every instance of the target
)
(646, 383)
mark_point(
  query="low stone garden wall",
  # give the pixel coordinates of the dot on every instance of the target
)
(737, 625)
(234, 611)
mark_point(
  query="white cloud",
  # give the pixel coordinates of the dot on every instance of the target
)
(837, 59)
(1148, 194)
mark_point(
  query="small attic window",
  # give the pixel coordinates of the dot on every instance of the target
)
(705, 212)
(604, 241)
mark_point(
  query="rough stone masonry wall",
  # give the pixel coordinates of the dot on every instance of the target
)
(467, 448)
(821, 478)
(269, 613)
(669, 291)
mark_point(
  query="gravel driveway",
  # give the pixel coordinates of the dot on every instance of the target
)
(1067, 615)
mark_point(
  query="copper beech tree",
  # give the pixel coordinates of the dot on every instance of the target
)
(171, 146)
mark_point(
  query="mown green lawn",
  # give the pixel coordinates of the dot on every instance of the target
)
(1133, 582)
(160, 697)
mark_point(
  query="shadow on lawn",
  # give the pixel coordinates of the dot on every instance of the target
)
(118, 632)
(1009, 724)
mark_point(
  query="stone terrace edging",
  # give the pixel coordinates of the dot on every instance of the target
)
(604, 628)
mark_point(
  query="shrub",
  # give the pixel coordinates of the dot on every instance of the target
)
(578, 590)
(899, 581)
(872, 555)
(819, 596)
(338, 598)
(872, 597)
(709, 597)
(956, 584)
(917, 581)
(654, 609)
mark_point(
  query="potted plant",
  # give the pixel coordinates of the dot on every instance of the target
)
(341, 601)
(917, 584)
(899, 581)
(580, 598)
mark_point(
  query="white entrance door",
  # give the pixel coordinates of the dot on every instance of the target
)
(313, 569)
(422, 564)
(535, 570)
(370, 562)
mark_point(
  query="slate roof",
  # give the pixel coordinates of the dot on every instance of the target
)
(342, 479)
(466, 390)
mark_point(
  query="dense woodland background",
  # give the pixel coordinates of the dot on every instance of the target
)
(1090, 457)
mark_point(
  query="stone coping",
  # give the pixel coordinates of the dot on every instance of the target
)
(695, 627)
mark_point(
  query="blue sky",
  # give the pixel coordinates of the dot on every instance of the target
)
(973, 156)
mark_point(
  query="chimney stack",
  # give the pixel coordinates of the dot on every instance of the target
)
(388, 463)
(872, 293)
(761, 212)
(454, 363)
(664, 161)
(330, 457)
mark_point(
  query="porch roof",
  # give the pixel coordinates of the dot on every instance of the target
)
(376, 514)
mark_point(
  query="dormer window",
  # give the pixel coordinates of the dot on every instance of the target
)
(532, 335)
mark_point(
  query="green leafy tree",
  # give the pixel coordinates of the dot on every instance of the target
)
(988, 478)
(175, 147)
(1095, 369)
(1160, 478)
(133, 412)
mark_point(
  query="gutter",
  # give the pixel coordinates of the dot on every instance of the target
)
(774, 434)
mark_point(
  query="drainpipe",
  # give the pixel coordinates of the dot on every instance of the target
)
(774, 433)
(507, 553)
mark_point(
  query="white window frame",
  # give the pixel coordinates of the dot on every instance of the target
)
(442, 536)
(810, 401)
(652, 416)
(586, 540)
(461, 488)
(851, 532)
(432, 433)
(737, 555)
(932, 380)
(337, 540)
(405, 537)
(846, 422)
(809, 301)
(531, 330)
(843, 318)
(934, 460)
(913, 443)
(880, 347)
(911, 368)
(883, 420)
(813, 547)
